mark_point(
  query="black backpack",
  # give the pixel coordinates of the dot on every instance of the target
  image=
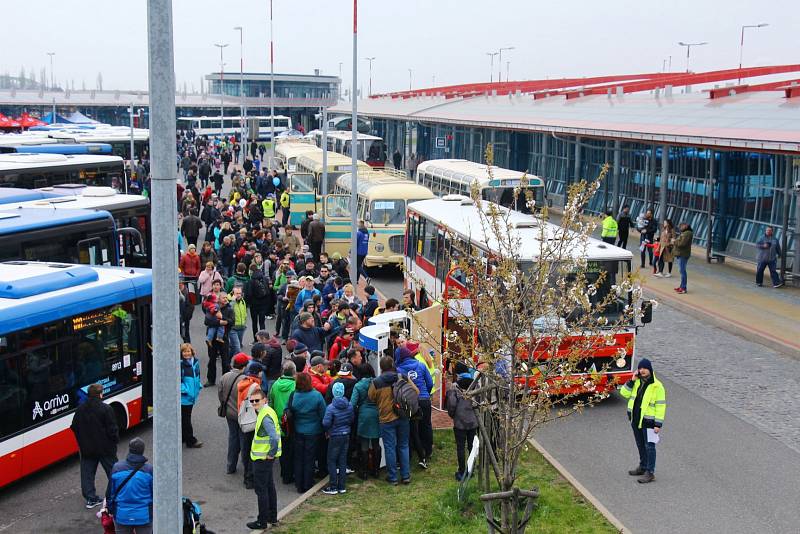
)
(259, 288)
(405, 398)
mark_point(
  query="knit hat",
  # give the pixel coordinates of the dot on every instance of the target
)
(241, 359)
(401, 354)
(412, 347)
(300, 348)
(338, 390)
(136, 445)
(644, 363)
(254, 368)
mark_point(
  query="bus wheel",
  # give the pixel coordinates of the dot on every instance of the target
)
(120, 416)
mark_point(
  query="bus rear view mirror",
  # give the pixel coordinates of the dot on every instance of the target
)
(647, 311)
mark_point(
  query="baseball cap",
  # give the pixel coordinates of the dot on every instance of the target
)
(318, 360)
(241, 359)
(347, 368)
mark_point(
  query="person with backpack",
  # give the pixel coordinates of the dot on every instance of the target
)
(393, 395)
(256, 294)
(246, 414)
(421, 429)
(280, 394)
(131, 501)
(229, 409)
(367, 429)
(461, 411)
(337, 422)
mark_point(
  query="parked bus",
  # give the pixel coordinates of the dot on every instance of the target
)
(119, 137)
(438, 229)
(131, 215)
(89, 237)
(258, 125)
(370, 147)
(286, 153)
(382, 200)
(33, 171)
(58, 148)
(62, 328)
(14, 195)
(305, 187)
(456, 176)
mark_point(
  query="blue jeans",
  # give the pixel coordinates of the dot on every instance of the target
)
(235, 443)
(235, 340)
(337, 460)
(395, 443)
(773, 272)
(682, 261)
(647, 451)
(305, 451)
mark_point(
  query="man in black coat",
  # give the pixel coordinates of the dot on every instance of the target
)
(96, 432)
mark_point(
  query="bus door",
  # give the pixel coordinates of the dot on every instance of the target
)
(338, 224)
(132, 249)
(146, 344)
(302, 196)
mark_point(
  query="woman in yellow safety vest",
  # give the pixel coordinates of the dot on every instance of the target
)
(268, 206)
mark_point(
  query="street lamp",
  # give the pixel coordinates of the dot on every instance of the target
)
(409, 79)
(689, 48)
(500, 62)
(242, 112)
(271, 87)
(340, 82)
(741, 44)
(370, 59)
(52, 84)
(221, 46)
(491, 65)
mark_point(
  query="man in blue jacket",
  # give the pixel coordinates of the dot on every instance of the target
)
(131, 504)
(418, 373)
(362, 248)
(309, 335)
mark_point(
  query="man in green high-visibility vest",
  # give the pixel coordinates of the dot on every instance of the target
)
(610, 228)
(265, 448)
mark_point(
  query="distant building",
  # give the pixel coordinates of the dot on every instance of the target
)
(287, 86)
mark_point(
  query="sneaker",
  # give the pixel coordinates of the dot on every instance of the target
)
(636, 472)
(680, 291)
(349, 471)
(342, 491)
(91, 503)
(779, 284)
(270, 317)
(406, 481)
(459, 476)
(423, 463)
(658, 275)
(646, 478)
(676, 289)
(249, 484)
(759, 285)
(390, 481)
(330, 491)
(668, 275)
(195, 445)
(257, 525)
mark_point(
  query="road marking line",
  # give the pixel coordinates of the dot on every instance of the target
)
(580, 487)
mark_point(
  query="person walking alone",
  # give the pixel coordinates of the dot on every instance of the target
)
(682, 249)
(647, 406)
(769, 250)
(623, 227)
(97, 434)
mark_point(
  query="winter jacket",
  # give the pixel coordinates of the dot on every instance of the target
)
(190, 381)
(95, 429)
(206, 279)
(362, 242)
(310, 337)
(304, 295)
(243, 389)
(349, 383)
(769, 249)
(338, 417)
(460, 409)
(368, 426)
(683, 245)
(279, 393)
(228, 390)
(205, 257)
(418, 373)
(316, 232)
(291, 243)
(190, 265)
(273, 360)
(308, 409)
(320, 382)
(328, 289)
(339, 346)
(133, 504)
(191, 225)
(370, 307)
(236, 279)
(380, 392)
(251, 294)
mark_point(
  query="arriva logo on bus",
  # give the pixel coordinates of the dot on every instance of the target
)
(57, 404)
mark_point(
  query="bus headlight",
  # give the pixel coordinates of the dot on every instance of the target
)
(379, 247)
(621, 362)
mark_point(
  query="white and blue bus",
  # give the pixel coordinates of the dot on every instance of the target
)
(62, 328)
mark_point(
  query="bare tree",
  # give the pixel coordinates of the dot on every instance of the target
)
(532, 315)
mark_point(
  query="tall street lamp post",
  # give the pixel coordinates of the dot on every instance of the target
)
(242, 112)
(500, 62)
(370, 59)
(741, 43)
(688, 50)
(221, 46)
(491, 65)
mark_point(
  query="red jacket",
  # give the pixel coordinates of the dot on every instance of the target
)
(320, 382)
(339, 345)
(190, 265)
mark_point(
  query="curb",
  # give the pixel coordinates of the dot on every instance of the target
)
(580, 487)
(729, 325)
(292, 506)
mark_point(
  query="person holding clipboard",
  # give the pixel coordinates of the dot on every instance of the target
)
(647, 405)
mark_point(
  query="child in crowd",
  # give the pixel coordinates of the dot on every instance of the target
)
(337, 423)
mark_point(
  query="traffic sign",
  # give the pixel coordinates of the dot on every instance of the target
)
(440, 142)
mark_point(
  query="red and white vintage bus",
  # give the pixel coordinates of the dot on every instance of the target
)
(62, 328)
(433, 225)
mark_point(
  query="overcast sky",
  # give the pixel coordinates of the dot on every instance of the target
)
(447, 39)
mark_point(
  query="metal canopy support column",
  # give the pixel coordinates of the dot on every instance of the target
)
(787, 199)
(324, 185)
(168, 514)
(617, 156)
(712, 178)
(650, 193)
(576, 170)
(662, 192)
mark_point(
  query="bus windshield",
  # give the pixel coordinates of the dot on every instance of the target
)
(387, 211)
(506, 198)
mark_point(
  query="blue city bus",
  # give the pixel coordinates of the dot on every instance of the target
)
(14, 195)
(59, 148)
(62, 328)
(69, 236)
